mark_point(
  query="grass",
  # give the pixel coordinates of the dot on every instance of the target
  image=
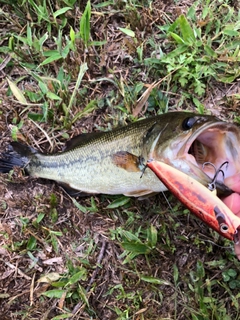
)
(69, 67)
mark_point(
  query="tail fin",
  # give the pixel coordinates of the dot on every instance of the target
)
(17, 155)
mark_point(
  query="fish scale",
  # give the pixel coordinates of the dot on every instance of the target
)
(89, 168)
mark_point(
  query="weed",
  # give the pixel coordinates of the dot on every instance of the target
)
(141, 242)
(200, 48)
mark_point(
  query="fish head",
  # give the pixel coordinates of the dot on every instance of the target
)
(191, 142)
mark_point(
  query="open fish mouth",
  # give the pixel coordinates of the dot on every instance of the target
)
(208, 148)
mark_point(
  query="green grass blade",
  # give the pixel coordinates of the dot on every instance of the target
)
(82, 71)
(186, 30)
(85, 24)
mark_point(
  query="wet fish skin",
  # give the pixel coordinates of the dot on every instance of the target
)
(89, 162)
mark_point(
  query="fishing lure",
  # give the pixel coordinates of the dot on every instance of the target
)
(199, 200)
(212, 186)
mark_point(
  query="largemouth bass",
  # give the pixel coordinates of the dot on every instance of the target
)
(114, 162)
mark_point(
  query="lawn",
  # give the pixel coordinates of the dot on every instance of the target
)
(69, 67)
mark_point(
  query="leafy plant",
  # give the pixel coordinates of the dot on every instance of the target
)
(134, 245)
(198, 51)
(231, 277)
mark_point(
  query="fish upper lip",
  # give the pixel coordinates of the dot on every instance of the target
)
(214, 140)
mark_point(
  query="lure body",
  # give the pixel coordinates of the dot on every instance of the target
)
(199, 200)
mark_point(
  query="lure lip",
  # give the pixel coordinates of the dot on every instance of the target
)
(199, 200)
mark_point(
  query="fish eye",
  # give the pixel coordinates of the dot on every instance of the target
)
(223, 228)
(188, 123)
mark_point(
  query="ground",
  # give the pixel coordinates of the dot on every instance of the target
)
(110, 257)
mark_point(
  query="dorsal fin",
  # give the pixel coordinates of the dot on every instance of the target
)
(81, 139)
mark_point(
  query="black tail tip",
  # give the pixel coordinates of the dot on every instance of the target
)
(15, 156)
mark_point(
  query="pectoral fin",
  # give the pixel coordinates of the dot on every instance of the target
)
(127, 161)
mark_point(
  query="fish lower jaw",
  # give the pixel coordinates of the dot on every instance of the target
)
(189, 166)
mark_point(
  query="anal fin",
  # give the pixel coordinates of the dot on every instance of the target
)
(74, 192)
(141, 193)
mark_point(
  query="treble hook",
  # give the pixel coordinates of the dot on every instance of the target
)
(212, 185)
(143, 165)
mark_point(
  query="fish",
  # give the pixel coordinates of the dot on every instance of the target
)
(199, 199)
(114, 162)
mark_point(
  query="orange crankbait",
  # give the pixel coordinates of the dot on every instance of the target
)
(198, 199)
